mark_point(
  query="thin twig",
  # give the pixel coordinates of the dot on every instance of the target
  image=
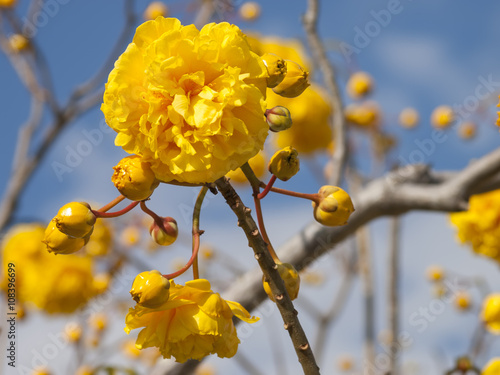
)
(393, 286)
(310, 21)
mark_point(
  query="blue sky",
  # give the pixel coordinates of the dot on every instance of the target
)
(427, 54)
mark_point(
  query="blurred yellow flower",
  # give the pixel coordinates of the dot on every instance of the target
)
(365, 115)
(8, 3)
(490, 313)
(408, 118)
(101, 239)
(130, 350)
(462, 300)
(155, 9)
(359, 85)
(435, 273)
(41, 371)
(258, 165)
(467, 130)
(442, 117)
(492, 367)
(130, 235)
(250, 11)
(193, 323)
(73, 332)
(290, 277)
(190, 102)
(98, 321)
(18, 42)
(55, 284)
(478, 226)
(84, 370)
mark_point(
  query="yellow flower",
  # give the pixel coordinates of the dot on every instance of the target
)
(8, 3)
(334, 208)
(490, 313)
(73, 332)
(193, 323)
(258, 165)
(310, 115)
(98, 321)
(150, 289)
(442, 117)
(345, 362)
(435, 273)
(101, 240)
(134, 178)
(18, 42)
(250, 11)
(478, 226)
(84, 370)
(467, 130)
(285, 163)
(155, 9)
(55, 284)
(364, 115)
(295, 81)
(276, 69)
(130, 350)
(191, 103)
(492, 367)
(75, 219)
(290, 277)
(359, 85)
(408, 118)
(462, 301)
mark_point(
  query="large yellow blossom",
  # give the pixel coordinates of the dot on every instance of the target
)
(479, 226)
(190, 102)
(492, 367)
(193, 323)
(55, 284)
(490, 313)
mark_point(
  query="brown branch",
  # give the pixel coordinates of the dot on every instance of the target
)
(270, 272)
(310, 21)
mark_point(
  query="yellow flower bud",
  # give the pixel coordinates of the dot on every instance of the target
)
(276, 68)
(462, 301)
(334, 208)
(490, 313)
(98, 321)
(290, 277)
(278, 119)
(408, 118)
(295, 81)
(467, 130)
(285, 163)
(250, 11)
(492, 367)
(73, 332)
(134, 178)
(18, 42)
(60, 243)
(155, 9)
(359, 85)
(150, 289)
(435, 273)
(442, 117)
(164, 235)
(75, 219)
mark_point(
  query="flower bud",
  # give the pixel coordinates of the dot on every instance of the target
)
(18, 42)
(359, 85)
(164, 235)
(291, 279)
(150, 289)
(462, 301)
(75, 219)
(285, 163)
(490, 313)
(276, 68)
(435, 273)
(155, 9)
(467, 130)
(295, 81)
(59, 243)
(73, 332)
(250, 11)
(134, 178)
(278, 118)
(408, 118)
(442, 117)
(334, 208)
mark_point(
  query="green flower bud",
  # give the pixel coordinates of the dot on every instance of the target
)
(278, 118)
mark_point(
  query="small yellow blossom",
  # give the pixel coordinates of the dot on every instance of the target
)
(75, 219)
(345, 363)
(130, 350)
(492, 367)
(435, 273)
(490, 313)
(166, 233)
(155, 9)
(467, 130)
(250, 11)
(101, 282)
(295, 81)
(193, 323)
(276, 69)
(409, 118)
(365, 115)
(462, 300)
(290, 277)
(207, 252)
(285, 163)
(73, 332)
(334, 208)
(258, 165)
(134, 178)
(190, 103)
(101, 240)
(98, 321)
(18, 42)
(442, 117)
(478, 226)
(359, 85)
(130, 235)
(150, 289)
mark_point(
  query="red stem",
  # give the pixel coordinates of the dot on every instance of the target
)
(311, 197)
(158, 220)
(111, 204)
(116, 213)
(267, 188)
(196, 247)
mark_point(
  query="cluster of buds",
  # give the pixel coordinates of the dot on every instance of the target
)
(70, 229)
